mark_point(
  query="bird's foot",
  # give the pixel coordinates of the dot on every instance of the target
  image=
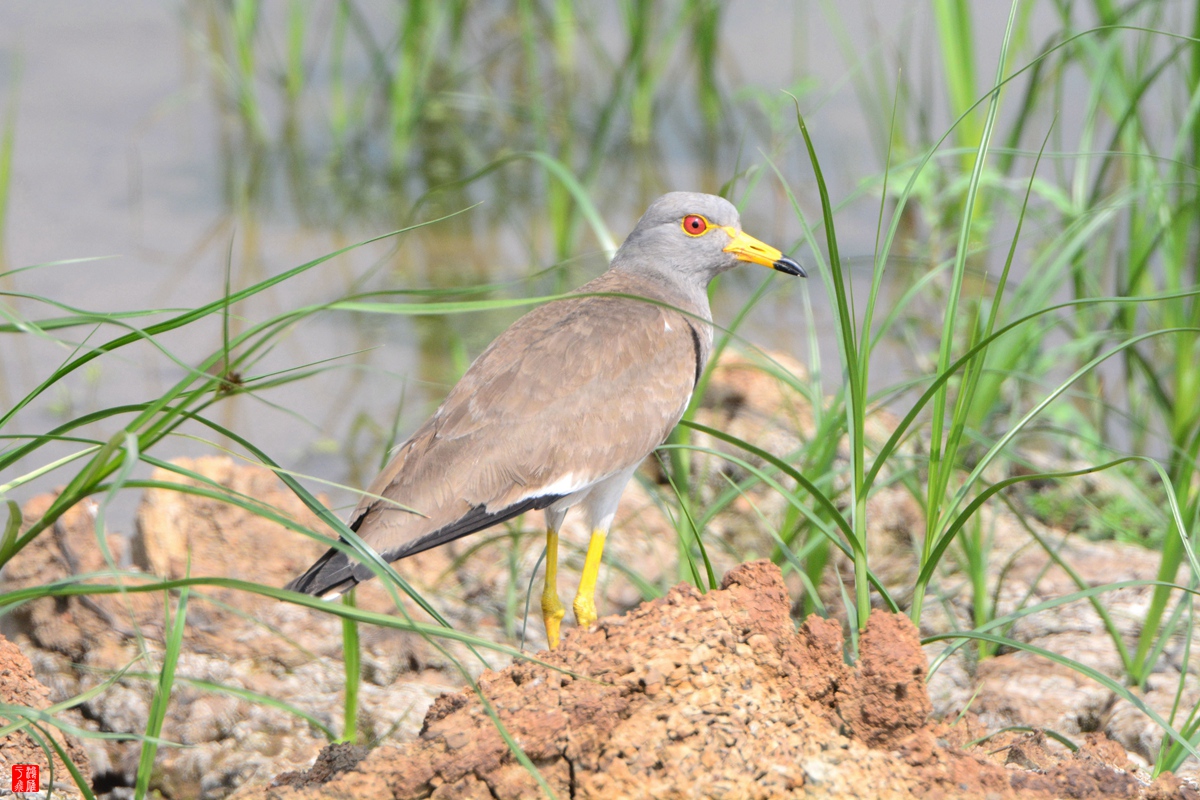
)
(585, 611)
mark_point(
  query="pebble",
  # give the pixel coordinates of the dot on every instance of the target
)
(700, 655)
(816, 772)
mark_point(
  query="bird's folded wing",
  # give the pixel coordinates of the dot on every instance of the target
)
(575, 391)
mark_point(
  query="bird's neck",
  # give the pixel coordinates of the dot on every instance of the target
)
(687, 296)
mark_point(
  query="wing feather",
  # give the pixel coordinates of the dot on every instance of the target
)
(582, 387)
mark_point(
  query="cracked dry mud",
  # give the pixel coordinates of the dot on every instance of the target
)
(715, 696)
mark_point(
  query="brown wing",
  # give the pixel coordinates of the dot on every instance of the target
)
(585, 386)
(574, 391)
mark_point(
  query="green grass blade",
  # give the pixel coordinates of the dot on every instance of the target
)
(352, 659)
(162, 695)
(1075, 666)
(856, 408)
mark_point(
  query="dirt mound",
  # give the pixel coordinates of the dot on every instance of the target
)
(885, 699)
(19, 687)
(710, 696)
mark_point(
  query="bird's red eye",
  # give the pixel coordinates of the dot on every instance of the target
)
(694, 225)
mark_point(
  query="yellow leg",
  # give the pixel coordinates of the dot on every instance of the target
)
(552, 608)
(585, 599)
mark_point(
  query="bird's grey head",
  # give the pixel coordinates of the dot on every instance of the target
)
(691, 238)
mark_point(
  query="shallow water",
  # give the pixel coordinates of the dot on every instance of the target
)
(127, 148)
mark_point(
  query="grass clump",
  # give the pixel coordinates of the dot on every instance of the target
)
(1122, 505)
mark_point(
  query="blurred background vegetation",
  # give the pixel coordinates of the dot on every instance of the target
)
(1027, 169)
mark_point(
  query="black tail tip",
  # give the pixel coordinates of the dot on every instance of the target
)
(331, 574)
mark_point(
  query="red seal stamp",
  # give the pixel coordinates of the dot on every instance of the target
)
(26, 778)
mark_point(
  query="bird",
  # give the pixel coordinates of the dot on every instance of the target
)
(561, 408)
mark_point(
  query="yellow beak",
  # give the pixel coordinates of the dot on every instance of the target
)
(746, 248)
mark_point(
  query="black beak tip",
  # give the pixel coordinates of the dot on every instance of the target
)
(785, 264)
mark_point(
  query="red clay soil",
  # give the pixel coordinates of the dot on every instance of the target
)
(716, 696)
(19, 687)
